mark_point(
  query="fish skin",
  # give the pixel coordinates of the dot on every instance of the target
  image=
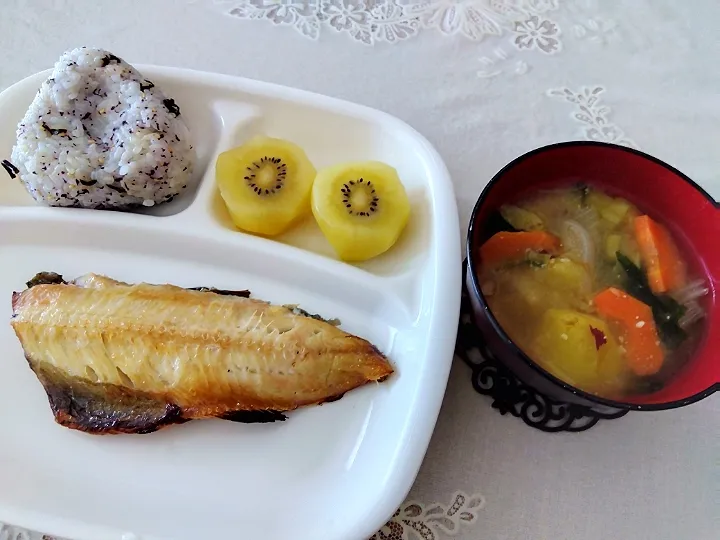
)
(120, 358)
(103, 408)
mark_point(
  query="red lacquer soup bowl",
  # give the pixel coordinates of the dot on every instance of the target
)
(689, 212)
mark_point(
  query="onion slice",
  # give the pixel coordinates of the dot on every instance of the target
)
(688, 296)
(577, 239)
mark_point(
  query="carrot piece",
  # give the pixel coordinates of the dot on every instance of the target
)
(660, 255)
(505, 247)
(642, 343)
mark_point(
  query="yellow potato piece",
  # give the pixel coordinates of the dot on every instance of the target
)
(562, 282)
(566, 346)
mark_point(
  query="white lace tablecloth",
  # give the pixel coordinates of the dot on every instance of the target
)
(484, 81)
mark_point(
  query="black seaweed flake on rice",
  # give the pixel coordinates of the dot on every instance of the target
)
(171, 106)
(110, 59)
(11, 169)
(146, 85)
(88, 182)
(119, 189)
(52, 131)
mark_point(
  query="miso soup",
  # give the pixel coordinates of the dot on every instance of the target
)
(595, 291)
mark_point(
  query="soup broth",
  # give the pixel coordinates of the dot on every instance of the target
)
(592, 289)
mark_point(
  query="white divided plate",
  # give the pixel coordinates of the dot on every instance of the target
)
(336, 471)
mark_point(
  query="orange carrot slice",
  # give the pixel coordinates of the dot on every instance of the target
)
(642, 343)
(506, 247)
(660, 255)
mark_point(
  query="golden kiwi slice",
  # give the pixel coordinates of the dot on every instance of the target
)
(361, 208)
(265, 184)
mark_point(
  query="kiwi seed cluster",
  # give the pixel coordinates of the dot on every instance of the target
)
(347, 191)
(256, 166)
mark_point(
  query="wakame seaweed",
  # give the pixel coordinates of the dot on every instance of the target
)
(667, 312)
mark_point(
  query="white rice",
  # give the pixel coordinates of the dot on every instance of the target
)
(100, 135)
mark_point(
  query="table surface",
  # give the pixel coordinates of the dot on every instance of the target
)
(484, 81)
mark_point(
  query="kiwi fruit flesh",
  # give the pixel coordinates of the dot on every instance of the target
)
(265, 184)
(361, 208)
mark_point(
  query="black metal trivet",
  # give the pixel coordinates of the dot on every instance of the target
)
(509, 394)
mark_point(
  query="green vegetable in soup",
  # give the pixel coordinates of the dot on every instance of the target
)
(616, 211)
(598, 200)
(629, 248)
(613, 210)
(616, 242)
(521, 219)
(612, 246)
(667, 312)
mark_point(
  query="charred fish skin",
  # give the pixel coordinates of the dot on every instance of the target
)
(110, 409)
(45, 278)
(120, 358)
(103, 408)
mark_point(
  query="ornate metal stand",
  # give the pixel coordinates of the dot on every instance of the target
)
(509, 394)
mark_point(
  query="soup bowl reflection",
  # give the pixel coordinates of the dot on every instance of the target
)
(689, 212)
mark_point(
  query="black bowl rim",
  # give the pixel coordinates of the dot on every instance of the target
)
(715, 387)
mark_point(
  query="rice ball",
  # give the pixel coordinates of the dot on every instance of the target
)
(99, 135)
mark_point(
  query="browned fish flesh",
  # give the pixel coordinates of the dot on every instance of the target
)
(120, 358)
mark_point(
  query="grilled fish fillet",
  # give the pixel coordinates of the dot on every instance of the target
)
(121, 358)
